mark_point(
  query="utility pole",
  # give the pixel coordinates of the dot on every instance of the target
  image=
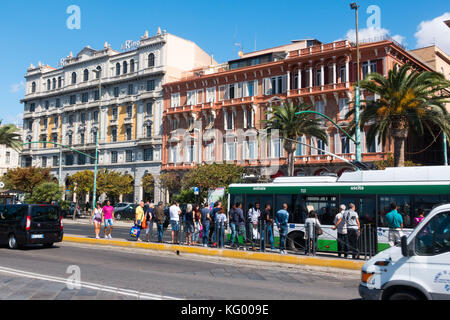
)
(98, 72)
(355, 7)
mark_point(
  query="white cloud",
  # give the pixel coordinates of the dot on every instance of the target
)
(16, 87)
(434, 32)
(373, 34)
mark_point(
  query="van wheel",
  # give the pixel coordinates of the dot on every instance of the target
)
(118, 216)
(12, 242)
(405, 295)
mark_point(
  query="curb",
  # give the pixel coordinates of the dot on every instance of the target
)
(257, 256)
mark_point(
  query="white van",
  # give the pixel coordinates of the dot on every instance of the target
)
(418, 269)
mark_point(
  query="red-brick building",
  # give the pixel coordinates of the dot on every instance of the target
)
(215, 114)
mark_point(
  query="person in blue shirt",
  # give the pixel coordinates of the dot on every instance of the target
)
(281, 220)
(395, 223)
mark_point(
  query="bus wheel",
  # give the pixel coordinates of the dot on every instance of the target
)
(295, 241)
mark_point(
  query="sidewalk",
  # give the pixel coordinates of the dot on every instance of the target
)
(87, 221)
(226, 253)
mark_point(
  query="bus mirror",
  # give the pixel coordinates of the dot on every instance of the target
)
(404, 242)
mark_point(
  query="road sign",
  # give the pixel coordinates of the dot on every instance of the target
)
(2, 185)
(196, 191)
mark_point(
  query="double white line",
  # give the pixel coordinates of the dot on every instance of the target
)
(93, 286)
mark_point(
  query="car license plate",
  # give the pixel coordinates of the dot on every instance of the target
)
(37, 236)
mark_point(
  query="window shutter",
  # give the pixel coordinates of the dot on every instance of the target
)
(227, 92)
(379, 147)
(352, 145)
(255, 88)
(314, 144)
(337, 143)
(363, 141)
(267, 86)
(284, 83)
(225, 119)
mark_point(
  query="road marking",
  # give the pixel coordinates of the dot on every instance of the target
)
(119, 291)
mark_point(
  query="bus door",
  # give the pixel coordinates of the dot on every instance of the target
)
(366, 209)
(250, 201)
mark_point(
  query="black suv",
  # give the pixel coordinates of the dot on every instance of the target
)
(25, 224)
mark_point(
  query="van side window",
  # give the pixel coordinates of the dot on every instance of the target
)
(16, 213)
(434, 238)
(44, 214)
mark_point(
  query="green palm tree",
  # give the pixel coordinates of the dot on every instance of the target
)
(409, 101)
(10, 136)
(291, 125)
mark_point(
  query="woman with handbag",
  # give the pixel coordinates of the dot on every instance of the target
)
(313, 229)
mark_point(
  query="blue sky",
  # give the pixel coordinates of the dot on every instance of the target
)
(34, 31)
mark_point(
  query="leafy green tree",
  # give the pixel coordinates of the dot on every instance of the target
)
(187, 196)
(291, 126)
(81, 183)
(170, 182)
(45, 193)
(409, 101)
(389, 163)
(26, 179)
(148, 183)
(10, 136)
(114, 184)
(212, 176)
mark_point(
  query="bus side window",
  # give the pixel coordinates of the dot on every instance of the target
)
(434, 238)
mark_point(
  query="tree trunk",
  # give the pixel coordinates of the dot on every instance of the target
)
(290, 147)
(399, 136)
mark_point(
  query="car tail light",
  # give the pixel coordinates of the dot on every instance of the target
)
(61, 222)
(28, 225)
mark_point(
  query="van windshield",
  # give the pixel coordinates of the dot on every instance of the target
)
(44, 213)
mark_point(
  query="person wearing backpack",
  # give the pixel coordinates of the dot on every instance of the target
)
(353, 229)
(341, 226)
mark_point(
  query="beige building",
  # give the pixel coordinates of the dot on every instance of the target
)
(435, 58)
(63, 105)
(9, 159)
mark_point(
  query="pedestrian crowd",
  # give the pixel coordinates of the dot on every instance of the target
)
(204, 225)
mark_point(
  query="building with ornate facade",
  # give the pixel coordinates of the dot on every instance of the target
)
(216, 114)
(64, 105)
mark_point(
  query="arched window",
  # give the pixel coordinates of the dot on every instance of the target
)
(74, 78)
(86, 75)
(132, 65)
(151, 60)
(48, 84)
(117, 69)
(125, 67)
(33, 87)
(54, 83)
(59, 82)
(97, 74)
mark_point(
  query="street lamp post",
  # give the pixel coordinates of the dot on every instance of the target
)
(98, 72)
(355, 7)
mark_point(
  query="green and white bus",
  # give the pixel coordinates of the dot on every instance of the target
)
(372, 192)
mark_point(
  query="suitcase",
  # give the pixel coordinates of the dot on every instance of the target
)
(135, 232)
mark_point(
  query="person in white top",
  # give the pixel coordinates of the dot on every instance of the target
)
(253, 215)
(97, 219)
(341, 226)
(175, 212)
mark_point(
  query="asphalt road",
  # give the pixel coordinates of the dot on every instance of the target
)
(181, 277)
